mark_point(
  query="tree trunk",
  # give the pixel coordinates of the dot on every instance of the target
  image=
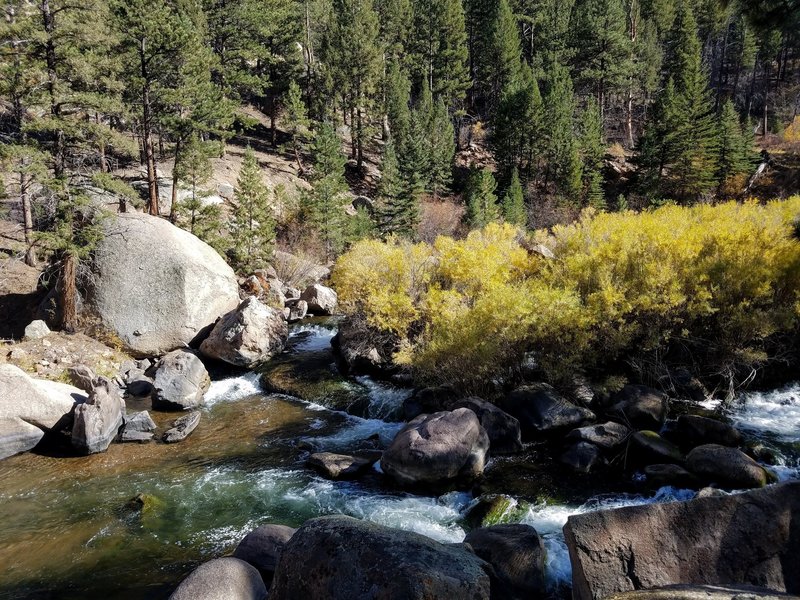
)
(173, 208)
(27, 219)
(273, 115)
(147, 135)
(67, 292)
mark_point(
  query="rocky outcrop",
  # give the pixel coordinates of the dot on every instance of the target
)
(341, 558)
(751, 538)
(29, 408)
(436, 448)
(360, 350)
(606, 435)
(542, 410)
(704, 592)
(181, 381)
(262, 548)
(502, 429)
(517, 554)
(695, 430)
(182, 428)
(156, 286)
(98, 420)
(725, 466)
(321, 300)
(338, 466)
(222, 578)
(640, 407)
(247, 336)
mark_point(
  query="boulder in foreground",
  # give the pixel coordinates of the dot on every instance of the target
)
(99, 419)
(727, 467)
(341, 558)
(704, 592)
(750, 539)
(181, 381)
(157, 286)
(262, 547)
(222, 579)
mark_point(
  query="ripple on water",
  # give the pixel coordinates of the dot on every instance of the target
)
(776, 412)
(233, 389)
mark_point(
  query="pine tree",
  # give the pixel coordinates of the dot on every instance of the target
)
(519, 124)
(195, 213)
(325, 201)
(414, 153)
(398, 98)
(735, 148)
(563, 166)
(297, 123)
(396, 19)
(441, 137)
(253, 223)
(398, 206)
(482, 206)
(592, 152)
(513, 204)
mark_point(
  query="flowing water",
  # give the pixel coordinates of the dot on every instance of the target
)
(68, 530)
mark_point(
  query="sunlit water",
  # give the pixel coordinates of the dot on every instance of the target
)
(66, 532)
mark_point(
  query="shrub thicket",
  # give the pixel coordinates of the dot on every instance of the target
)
(706, 285)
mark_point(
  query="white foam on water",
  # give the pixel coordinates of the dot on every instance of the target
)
(315, 337)
(775, 412)
(233, 389)
(384, 400)
(355, 430)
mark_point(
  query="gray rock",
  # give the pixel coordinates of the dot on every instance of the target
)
(341, 558)
(82, 377)
(436, 448)
(247, 336)
(751, 538)
(652, 448)
(27, 403)
(660, 475)
(338, 466)
(321, 300)
(262, 548)
(696, 430)
(582, 457)
(298, 309)
(136, 437)
(98, 420)
(36, 330)
(502, 429)
(517, 554)
(225, 190)
(640, 407)
(182, 428)
(181, 381)
(222, 579)
(704, 592)
(541, 410)
(358, 353)
(156, 286)
(430, 400)
(140, 386)
(141, 422)
(725, 466)
(606, 435)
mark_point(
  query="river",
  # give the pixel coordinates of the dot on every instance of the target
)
(67, 529)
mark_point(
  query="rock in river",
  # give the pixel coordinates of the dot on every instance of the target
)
(341, 558)
(436, 448)
(262, 547)
(222, 579)
(696, 430)
(640, 407)
(181, 381)
(99, 419)
(182, 428)
(541, 409)
(606, 435)
(338, 466)
(502, 428)
(247, 336)
(750, 538)
(321, 300)
(726, 466)
(157, 286)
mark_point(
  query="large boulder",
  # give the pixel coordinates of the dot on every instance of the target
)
(695, 430)
(181, 381)
(99, 419)
(502, 429)
(652, 448)
(582, 457)
(542, 410)
(29, 408)
(751, 538)
(321, 299)
(360, 349)
(262, 548)
(640, 407)
(157, 286)
(341, 558)
(725, 466)
(247, 336)
(436, 448)
(704, 592)
(222, 578)
(517, 554)
(430, 400)
(606, 435)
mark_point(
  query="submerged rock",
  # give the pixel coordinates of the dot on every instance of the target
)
(338, 466)
(670, 474)
(517, 554)
(750, 538)
(640, 407)
(502, 429)
(341, 558)
(181, 381)
(262, 548)
(156, 286)
(222, 578)
(436, 448)
(182, 428)
(99, 419)
(541, 409)
(247, 336)
(726, 467)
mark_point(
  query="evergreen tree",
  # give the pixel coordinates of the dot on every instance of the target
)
(735, 147)
(253, 224)
(592, 151)
(519, 124)
(441, 138)
(513, 204)
(325, 201)
(396, 19)
(414, 153)
(297, 123)
(563, 161)
(398, 98)
(398, 206)
(195, 213)
(482, 206)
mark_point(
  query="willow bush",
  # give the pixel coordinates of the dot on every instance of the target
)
(717, 284)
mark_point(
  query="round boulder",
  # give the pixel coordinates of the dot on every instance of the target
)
(640, 407)
(436, 448)
(727, 467)
(181, 381)
(502, 428)
(696, 430)
(228, 578)
(262, 548)
(542, 410)
(156, 286)
(321, 299)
